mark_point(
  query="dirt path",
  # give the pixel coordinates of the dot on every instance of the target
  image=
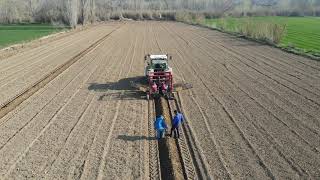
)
(253, 112)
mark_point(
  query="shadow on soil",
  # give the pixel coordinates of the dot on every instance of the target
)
(120, 90)
(136, 138)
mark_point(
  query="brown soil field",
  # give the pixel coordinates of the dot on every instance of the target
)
(253, 111)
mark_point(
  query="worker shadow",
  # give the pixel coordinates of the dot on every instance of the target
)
(124, 89)
(135, 138)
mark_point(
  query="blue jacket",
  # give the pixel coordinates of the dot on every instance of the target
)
(160, 124)
(177, 120)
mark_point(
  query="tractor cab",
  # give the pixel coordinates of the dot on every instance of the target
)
(157, 63)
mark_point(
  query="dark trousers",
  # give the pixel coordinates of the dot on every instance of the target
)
(160, 133)
(175, 132)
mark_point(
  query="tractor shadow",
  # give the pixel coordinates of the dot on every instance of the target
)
(120, 90)
(136, 138)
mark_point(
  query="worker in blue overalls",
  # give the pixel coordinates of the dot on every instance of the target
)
(176, 122)
(160, 126)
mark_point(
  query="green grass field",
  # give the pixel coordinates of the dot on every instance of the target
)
(302, 33)
(16, 33)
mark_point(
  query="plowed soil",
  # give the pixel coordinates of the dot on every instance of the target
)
(253, 111)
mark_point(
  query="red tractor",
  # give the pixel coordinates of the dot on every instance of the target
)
(159, 76)
(158, 80)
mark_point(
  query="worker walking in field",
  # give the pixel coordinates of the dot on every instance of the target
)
(160, 126)
(176, 121)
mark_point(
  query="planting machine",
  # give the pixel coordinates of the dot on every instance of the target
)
(158, 80)
(159, 76)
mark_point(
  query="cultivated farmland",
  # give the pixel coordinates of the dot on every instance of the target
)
(68, 110)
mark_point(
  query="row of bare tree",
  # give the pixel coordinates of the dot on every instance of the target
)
(73, 12)
(278, 7)
(69, 12)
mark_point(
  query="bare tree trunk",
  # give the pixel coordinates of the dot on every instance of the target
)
(92, 11)
(82, 11)
(72, 12)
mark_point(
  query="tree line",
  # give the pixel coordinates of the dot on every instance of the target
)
(278, 7)
(73, 12)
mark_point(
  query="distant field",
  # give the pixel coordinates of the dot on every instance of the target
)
(12, 34)
(302, 32)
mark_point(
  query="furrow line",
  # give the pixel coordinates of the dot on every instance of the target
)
(271, 51)
(245, 74)
(261, 163)
(239, 56)
(39, 58)
(199, 161)
(111, 128)
(295, 168)
(18, 99)
(303, 124)
(106, 149)
(47, 103)
(102, 75)
(268, 76)
(154, 163)
(315, 149)
(274, 142)
(183, 147)
(51, 121)
(287, 112)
